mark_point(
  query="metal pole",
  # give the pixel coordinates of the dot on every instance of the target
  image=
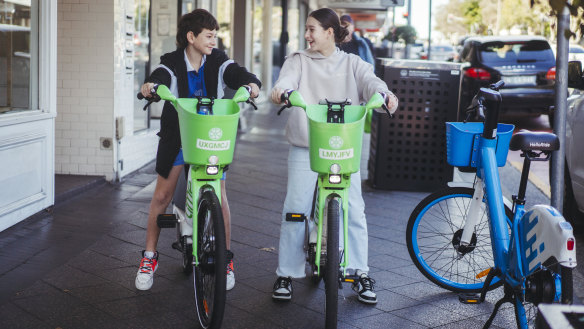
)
(561, 87)
(407, 52)
(392, 31)
(284, 35)
(430, 30)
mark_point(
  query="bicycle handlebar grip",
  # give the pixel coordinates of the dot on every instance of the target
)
(497, 85)
(140, 96)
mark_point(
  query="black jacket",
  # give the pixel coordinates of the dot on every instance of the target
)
(234, 77)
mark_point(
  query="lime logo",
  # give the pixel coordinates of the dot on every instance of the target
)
(336, 142)
(215, 133)
(335, 154)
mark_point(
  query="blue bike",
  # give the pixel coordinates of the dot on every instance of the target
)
(466, 240)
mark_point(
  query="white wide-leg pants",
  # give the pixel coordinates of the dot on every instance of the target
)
(300, 191)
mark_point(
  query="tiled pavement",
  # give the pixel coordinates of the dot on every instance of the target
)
(75, 267)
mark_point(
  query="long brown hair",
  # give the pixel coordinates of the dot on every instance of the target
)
(328, 18)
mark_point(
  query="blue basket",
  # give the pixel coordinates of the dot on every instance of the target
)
(462, 143)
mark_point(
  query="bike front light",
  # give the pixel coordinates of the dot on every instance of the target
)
(334, 179)
(335, 168)
(212, 170)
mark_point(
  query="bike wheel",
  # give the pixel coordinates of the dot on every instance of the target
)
(433, 231)
(210, 274)
(552, 284)
(331, 274)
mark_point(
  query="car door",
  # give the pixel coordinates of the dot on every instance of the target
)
(574, 150)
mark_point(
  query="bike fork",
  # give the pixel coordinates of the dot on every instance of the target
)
(473, 214)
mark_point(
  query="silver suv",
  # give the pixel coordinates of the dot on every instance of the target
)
(574, 174)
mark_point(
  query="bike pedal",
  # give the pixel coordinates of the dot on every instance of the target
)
(469, 298)
(166, 221)
(295, 217)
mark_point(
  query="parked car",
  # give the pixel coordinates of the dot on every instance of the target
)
(576, 53)
(525, 63)
(573, 207)
(439, 53)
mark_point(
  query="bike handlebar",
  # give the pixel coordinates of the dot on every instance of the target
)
(477, 106)
(154, 97)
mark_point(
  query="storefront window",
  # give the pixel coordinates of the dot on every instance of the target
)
(18, 55)
(141, 58)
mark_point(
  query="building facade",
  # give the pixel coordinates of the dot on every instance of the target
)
(70, 71)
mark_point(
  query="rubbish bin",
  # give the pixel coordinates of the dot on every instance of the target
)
(408, 152)
(556, 316)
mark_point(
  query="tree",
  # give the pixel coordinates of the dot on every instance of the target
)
(576, 8)
(406, 33)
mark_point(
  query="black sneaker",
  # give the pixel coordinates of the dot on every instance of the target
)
(282, 288)
(364, 288)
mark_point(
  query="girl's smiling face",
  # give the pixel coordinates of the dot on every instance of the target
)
(204, 42)
(319, 39)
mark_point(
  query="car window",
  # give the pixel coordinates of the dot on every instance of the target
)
(442, 48)
(516, 52)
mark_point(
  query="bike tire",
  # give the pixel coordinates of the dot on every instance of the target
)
(210, 274)
(331, 275)
(433, 251)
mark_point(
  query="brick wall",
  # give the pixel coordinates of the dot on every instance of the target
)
(85, 90)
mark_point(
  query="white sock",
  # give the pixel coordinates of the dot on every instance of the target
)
(149, 254)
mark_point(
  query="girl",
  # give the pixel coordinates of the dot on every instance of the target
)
(322, 71)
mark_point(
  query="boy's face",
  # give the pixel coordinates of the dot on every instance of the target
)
(204, 42)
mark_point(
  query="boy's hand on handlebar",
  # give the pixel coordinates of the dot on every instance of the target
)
(146, 89)
(255, 90)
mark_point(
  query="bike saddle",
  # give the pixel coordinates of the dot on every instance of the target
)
(526, 140)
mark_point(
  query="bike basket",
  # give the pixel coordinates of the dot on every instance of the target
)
(206, 135)
(338, 143)
(462, 143)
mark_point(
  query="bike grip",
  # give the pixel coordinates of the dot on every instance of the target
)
(480, 113)
(140, 96)
(497, 85)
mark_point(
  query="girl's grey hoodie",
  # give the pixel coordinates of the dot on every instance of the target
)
(317, 77)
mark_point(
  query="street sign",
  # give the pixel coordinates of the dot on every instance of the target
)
(362, 4)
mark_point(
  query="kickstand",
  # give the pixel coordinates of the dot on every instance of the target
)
(508, 298)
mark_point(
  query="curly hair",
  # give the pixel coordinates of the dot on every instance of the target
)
(328, 18)
(195, 22)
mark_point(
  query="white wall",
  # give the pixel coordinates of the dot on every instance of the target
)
(85, 92)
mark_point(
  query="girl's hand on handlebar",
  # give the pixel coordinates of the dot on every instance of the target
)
(146, 89)
(276, 95)
(255, 90)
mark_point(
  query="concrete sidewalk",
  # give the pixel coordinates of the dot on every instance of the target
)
(75, 268)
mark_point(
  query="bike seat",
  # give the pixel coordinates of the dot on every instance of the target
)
(526, 140)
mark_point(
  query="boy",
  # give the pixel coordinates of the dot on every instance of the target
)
(196, 68)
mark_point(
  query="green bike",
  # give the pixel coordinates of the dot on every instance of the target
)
(208, 143)
(335, 134)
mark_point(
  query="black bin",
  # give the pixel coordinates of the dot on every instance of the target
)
(408, 152)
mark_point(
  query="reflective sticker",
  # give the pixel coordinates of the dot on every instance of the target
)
(566, 226)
